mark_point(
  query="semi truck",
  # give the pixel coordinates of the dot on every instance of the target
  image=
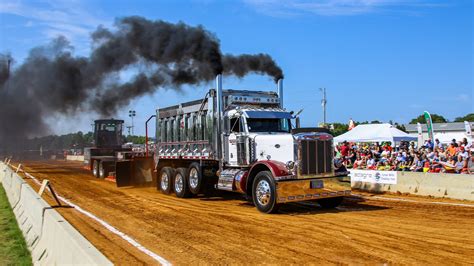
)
(242, 141)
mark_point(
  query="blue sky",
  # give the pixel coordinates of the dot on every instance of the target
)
(379, 59)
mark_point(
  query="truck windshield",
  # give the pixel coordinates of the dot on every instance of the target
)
(268, 125)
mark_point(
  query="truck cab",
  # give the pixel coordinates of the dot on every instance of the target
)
(108, 140)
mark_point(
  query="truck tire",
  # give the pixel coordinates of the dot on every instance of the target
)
(330, 203)
(95, 168)
(264, 192)
(195, 179)
(102, 170)
(180, 183)
(165, 180)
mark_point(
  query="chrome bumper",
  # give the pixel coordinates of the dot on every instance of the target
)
(311, 189)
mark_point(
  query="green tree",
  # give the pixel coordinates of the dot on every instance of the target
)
(468, 117)
(436, 119)
(135, 139)
(339, 129)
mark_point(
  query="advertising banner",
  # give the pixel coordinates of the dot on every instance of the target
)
(429, 125)
(468, 128)
(373, 176)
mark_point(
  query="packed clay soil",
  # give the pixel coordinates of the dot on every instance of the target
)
(226, 229)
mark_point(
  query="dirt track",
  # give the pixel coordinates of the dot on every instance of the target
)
(225, 229)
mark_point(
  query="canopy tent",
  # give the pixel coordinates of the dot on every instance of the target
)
(374, 133)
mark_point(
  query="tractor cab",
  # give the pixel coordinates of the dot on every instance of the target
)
(108, 133)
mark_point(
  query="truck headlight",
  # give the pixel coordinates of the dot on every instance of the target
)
(290, 165)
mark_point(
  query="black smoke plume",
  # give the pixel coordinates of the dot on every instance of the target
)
(52, 80)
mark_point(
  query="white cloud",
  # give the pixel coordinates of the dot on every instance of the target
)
(287, 8)
(68, 18)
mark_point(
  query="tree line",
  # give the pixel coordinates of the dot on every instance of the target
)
(79, 140)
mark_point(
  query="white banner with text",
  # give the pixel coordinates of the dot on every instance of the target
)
(374, 176)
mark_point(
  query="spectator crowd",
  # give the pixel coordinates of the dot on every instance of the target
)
(435, 157)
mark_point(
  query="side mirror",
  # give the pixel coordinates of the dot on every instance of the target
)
(297, 114)
(297, 121)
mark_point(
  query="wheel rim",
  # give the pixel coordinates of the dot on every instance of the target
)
(193, 178)
(101, 171)
(94, 168)
(178, 183)
(164, 181)
(263, 192)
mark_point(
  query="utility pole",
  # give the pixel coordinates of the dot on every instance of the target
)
(132, 114)
(323, 104)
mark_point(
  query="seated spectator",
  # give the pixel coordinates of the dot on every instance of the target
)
(371, 162)
(359, 162)
(438, 144)
(451, 150)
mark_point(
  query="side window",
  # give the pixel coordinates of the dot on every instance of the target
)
(235, 125)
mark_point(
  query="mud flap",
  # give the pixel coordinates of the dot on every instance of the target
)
(135, 172)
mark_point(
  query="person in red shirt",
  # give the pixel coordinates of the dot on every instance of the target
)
(387, 147)
(345, 149)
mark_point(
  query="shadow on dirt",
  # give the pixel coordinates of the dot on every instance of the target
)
(350, 204)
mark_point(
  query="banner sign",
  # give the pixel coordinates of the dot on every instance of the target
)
(373, 176)
(429, 125)
(420, 134)
(467, 125)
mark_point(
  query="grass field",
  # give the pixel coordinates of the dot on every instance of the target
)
(13, 250)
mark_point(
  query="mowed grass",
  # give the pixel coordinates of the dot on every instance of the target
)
(13, 250)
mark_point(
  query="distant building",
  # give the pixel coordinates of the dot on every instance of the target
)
(445, 132)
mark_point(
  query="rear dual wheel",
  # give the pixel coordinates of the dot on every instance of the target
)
(165, 180)
(174, 180)
(180, 184)
(195, 180)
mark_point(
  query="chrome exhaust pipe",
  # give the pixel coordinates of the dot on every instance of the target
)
(280, 91)
(219, 99)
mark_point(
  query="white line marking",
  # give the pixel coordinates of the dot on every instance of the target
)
(109, 227)
(416, 201)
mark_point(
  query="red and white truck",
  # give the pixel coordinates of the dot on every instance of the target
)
(244, 141)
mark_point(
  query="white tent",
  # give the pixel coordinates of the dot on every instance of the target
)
(374, 133)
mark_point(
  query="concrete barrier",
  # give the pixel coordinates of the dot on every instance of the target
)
(73, 247)
(29, 214)
(455, 186)
(75, 158)
(50, 238)
(15, 189)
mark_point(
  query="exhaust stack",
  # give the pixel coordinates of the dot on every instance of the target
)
(219, 115)
(280, 91)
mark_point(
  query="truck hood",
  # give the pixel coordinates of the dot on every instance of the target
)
(273, 146)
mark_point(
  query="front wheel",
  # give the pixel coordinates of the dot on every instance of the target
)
(330, 203)
(264, 192)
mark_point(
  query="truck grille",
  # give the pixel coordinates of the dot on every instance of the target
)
(316, 157)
